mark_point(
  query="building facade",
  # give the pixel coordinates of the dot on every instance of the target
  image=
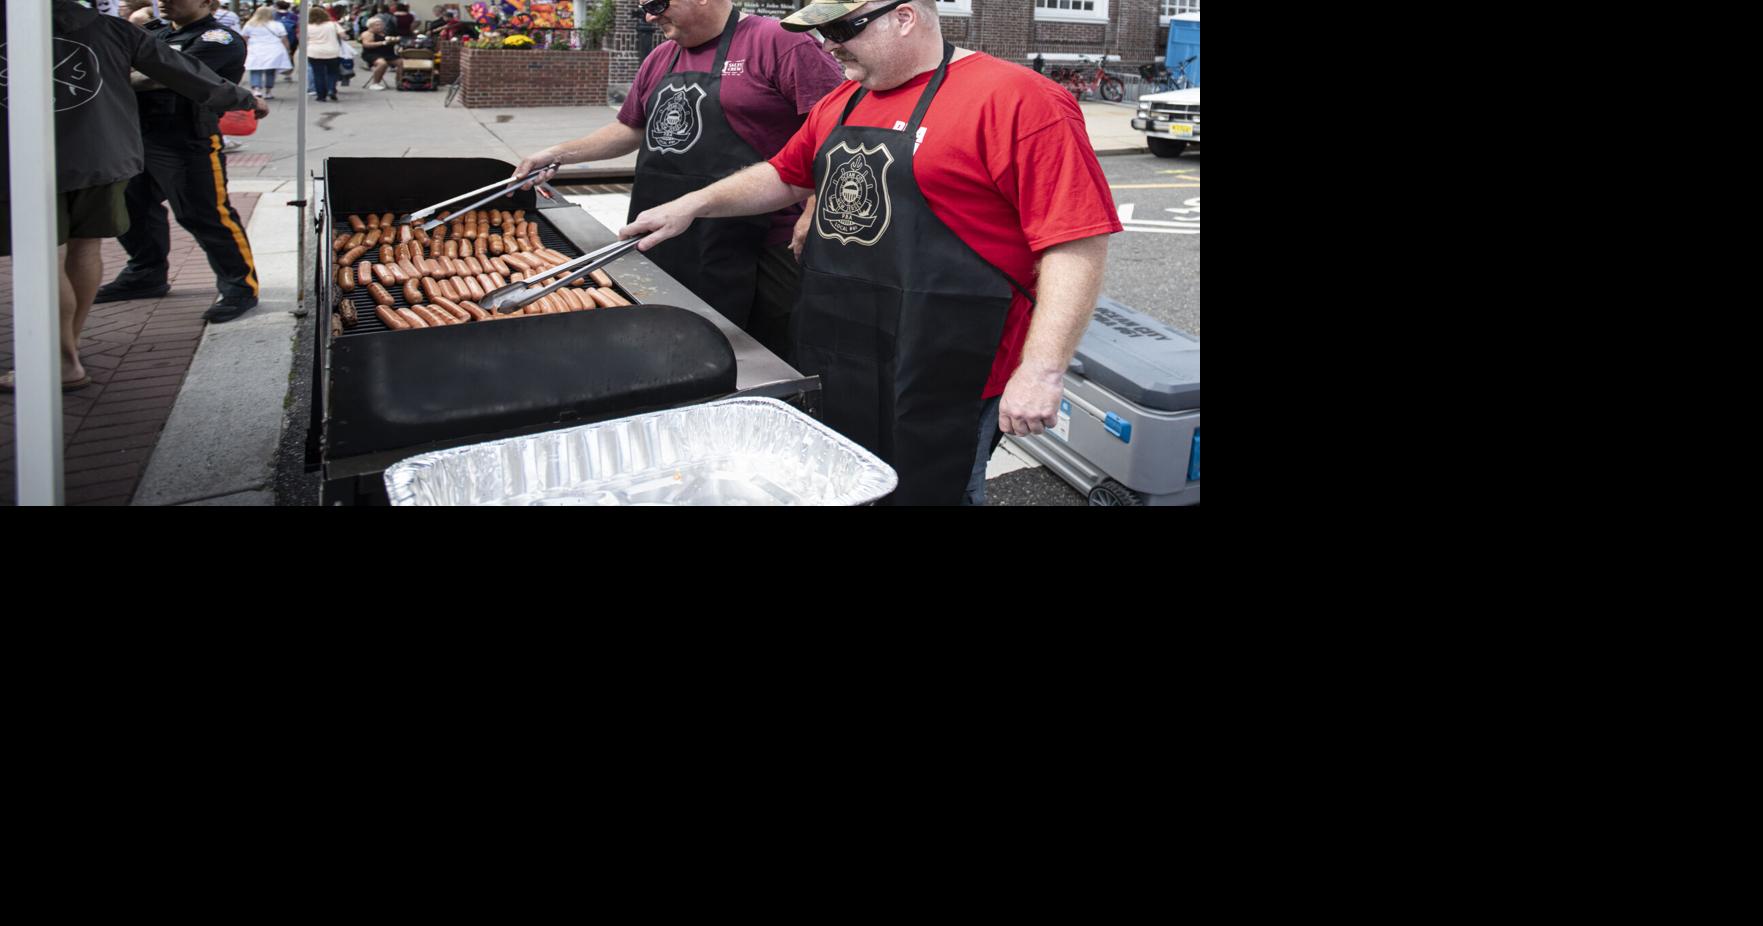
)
(1013, 30)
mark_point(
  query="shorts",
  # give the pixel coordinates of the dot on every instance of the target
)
(94, 212)
(378, 54)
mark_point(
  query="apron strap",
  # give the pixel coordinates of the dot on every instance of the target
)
(722, 46)
(852, 105)
(930, 92)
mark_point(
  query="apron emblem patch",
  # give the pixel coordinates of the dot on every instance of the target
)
(676, 123)
(220, 36)
(855, 206)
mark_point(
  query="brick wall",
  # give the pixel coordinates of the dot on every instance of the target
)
(504, 79)
(1008, 29)
(447, 69)
(621, 45)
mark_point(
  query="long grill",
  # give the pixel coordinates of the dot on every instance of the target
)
(382, 395)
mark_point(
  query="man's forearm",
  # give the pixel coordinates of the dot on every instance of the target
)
(1070, 281)
(755, 190)
(608, 141)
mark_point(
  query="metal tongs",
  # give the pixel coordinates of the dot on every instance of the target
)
(501, 188)
(514, 296)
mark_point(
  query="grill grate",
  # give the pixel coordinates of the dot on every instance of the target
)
(368, 322)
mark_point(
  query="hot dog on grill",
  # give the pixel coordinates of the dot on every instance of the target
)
(346, 279)
(356, 224)
(411, 319)
(373, 221)
(390, 318)
(353, 254)
(451, 306)
(383, 273)
(412, 292)
(380, 294)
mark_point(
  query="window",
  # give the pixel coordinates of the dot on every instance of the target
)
(1072, 10)
(955, 7)
(1168, 8)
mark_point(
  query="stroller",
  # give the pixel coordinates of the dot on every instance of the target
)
(416, 64)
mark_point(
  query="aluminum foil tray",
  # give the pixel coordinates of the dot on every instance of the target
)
(749, 451)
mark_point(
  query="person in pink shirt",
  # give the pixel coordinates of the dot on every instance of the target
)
(726, 91)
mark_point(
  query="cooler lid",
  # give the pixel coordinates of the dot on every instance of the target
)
(1140, 359)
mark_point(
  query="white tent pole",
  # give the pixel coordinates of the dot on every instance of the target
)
(301, 187)
(36, 273)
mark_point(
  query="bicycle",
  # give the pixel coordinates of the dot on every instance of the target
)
(1159, 79)
(1083, 81)
(1180, 80)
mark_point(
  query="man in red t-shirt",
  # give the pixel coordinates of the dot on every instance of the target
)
(692, 127)
(1000, 158)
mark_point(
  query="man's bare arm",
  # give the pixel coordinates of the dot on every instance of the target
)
(753, 191)
(1070, 281)
(608, 141)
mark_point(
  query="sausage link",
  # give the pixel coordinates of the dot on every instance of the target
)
(380, 294)
(600, 297)
(373, 221)
(401, 252)
(601, 277)
(353, 254)
(346, 279)
(451, 306)
(383, 273)
(356, 224)
(412, 292)
(390, 318)
(412, 319)
(386, 254)
(373, 238)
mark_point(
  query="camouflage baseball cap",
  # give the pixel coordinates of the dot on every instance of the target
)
(822, 11)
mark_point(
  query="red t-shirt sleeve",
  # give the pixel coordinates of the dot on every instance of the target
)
(1060, 188)
(795, 161)
(1053, 178)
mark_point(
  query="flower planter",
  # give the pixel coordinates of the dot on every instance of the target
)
(505, 78)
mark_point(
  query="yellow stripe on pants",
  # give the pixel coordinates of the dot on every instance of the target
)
(226, 214)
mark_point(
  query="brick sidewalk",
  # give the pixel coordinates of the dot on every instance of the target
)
(137, 353)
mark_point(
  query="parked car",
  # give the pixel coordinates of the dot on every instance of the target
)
(1170, 121)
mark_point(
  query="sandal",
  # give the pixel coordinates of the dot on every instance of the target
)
(9, 379)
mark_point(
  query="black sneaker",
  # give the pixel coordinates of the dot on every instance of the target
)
(225, 309)
(118, 292)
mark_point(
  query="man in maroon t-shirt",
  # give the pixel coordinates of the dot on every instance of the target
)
(769, 81)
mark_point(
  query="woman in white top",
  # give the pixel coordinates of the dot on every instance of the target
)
(266, 51)
(324, 50)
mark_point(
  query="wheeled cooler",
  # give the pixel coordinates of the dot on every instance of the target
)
(1129, 423)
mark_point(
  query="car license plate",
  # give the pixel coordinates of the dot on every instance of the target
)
(1182, 129)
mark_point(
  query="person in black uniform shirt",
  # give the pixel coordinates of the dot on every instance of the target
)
(184, 166)
(98, 149)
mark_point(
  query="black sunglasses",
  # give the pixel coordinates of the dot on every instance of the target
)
(654, 7)
(844, 30)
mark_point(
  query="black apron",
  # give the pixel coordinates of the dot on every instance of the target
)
(688, 145)
(899, 317)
